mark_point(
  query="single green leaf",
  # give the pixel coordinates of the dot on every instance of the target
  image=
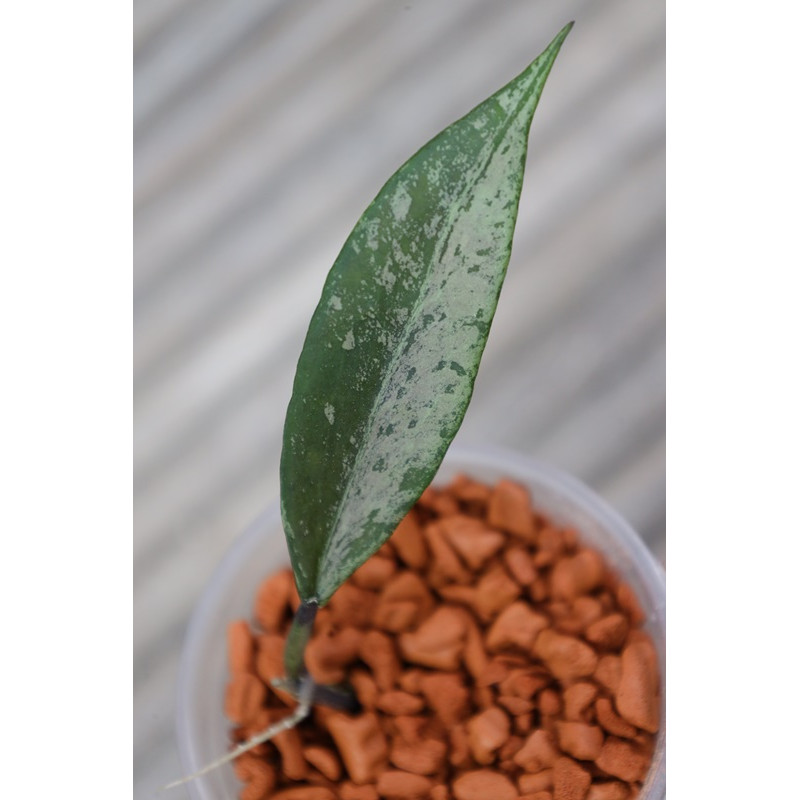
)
(388, 365)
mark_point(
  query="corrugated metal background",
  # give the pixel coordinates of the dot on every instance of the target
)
(262, 130)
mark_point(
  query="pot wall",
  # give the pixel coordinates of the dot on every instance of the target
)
(202, 729)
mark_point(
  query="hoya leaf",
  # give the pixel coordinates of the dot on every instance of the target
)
(390, 358)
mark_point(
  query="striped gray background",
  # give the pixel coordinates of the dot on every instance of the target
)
(262, 129)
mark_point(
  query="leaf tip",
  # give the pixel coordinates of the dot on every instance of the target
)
(558, 40)
(543, 63)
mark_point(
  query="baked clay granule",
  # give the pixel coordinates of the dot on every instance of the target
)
(494, 656)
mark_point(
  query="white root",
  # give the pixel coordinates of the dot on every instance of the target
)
(298, 715)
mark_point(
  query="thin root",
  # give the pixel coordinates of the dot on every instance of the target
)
(298, 715)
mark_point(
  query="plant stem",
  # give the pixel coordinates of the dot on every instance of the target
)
(296, 641)
(342, 698)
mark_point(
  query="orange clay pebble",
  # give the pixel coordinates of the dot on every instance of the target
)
(241, 647)
(539, 590)
(515, 705)
(623, 759)
(328, 655)
(438, 642)
(427, 500)
(470, 491)
(523, 724)
(580, 740)
(537, 796)
(471, 540)
(494, 672)
(487, 732)
(570, 780)
(542, 781)
(323, 759)
(365, 688)
(324, 622)
(290, 746)
(409, 729)
(510, 510)
(608, 672)
(351, 791)
(524, 682)
(559, 610)
(351, 605)
(483, 784)
(517, 625)
(259, 776)
(566, 621)
(445, 566)
(474, 656)
(571, 540)
(550, 702)
(510, 748)
(578, 698)
(397, 703)
(610, 721)
(637, 695)
(374, 573)
(482, 697)
(519, 565)
(386, 550)
(399, 785)
(404, 601)
(273, 599)
(378, 652)
(576, 575)
(586, 610)
(409, 543)
(567, 658)
(408, 585)
(495, 591)
(244, 697)
(608, 790)
(463, 595)
(444, 504)
(304, 793)
(447, 695)
(460, 755)
(646, 742)
(440, 792)
(608, 633)
(411, 680)
(539, 752)
(361, 744)
(269, 657)
(426, 757)
(551, 546)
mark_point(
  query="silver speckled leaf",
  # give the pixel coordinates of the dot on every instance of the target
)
(388, 365)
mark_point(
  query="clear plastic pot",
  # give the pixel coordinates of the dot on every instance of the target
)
(202, 729)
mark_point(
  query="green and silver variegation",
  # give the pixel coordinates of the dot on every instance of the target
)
(388, 365)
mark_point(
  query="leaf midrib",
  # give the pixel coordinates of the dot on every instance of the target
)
(435, 261)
